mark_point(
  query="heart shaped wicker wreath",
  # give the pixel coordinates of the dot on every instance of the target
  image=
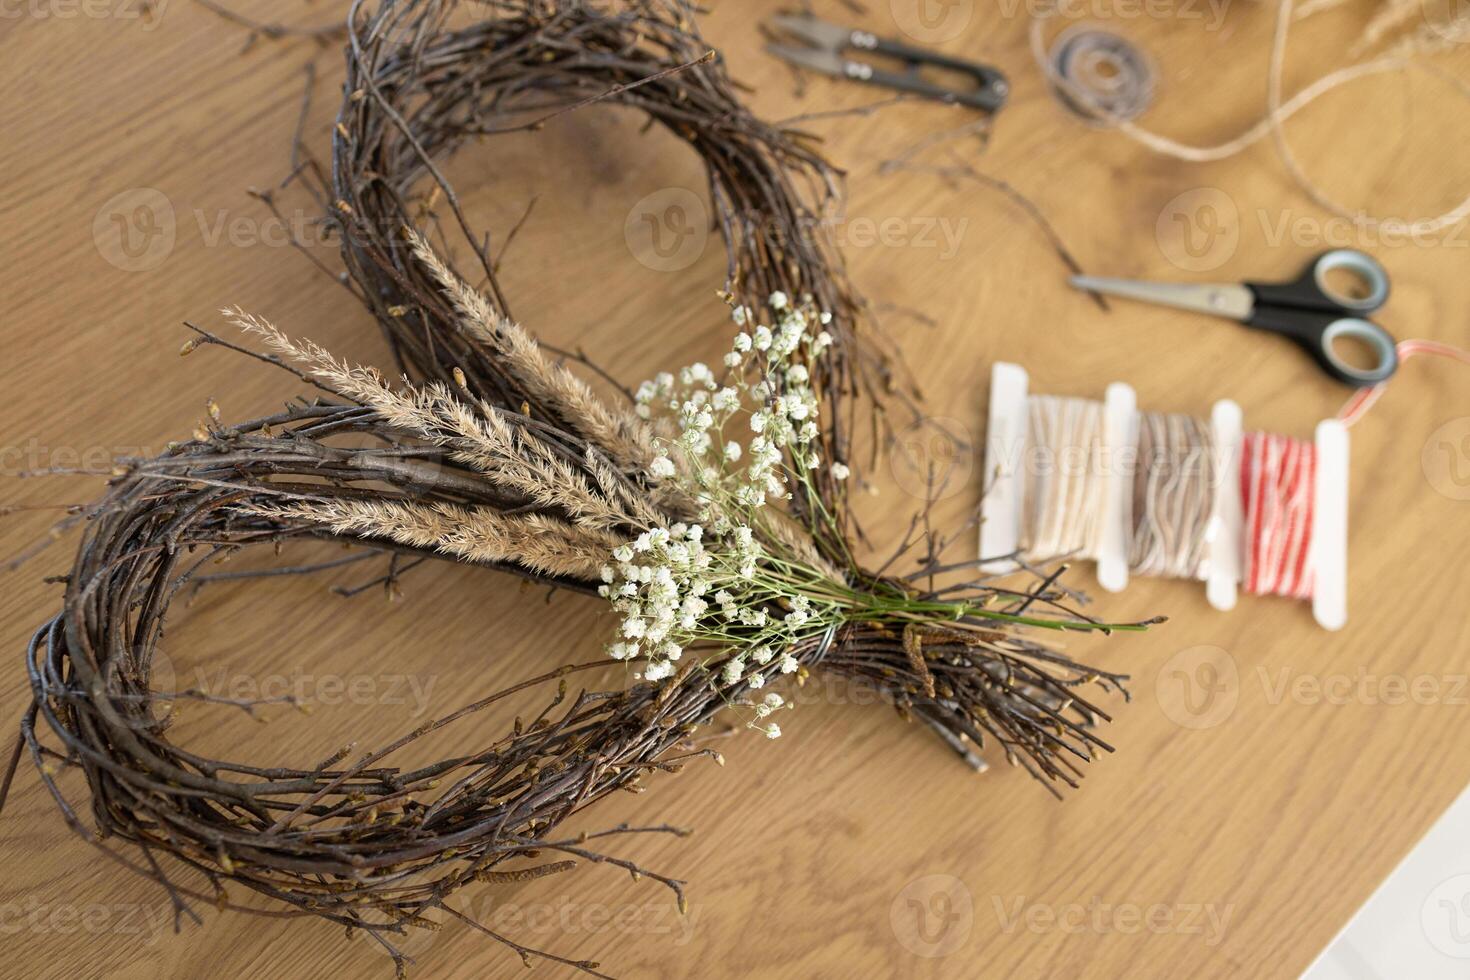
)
(726, 572)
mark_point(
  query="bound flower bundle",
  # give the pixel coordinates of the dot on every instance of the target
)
(760, 587)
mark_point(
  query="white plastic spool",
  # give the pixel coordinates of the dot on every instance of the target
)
(1328, 554)
(1005, 451)
(1226, 532)
(1119, 460)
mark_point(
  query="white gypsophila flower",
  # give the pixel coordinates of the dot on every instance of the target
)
(721, 583)
(695, 374)
(773, 730)
(840, 471)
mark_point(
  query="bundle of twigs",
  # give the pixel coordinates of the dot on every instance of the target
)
(498, 456)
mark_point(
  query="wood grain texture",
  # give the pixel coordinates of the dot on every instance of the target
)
(813, 855)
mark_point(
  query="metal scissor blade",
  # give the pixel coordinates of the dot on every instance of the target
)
(817, 33)
(1234, 302)
(812, 58)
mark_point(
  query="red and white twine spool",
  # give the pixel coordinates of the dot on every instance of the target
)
(1278, 477)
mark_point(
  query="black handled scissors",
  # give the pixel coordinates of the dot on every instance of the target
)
(825, 44)
(1309, 311)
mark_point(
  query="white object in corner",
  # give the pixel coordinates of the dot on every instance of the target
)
(1416, 926)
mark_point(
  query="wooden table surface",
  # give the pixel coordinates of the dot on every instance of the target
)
(1268, 774)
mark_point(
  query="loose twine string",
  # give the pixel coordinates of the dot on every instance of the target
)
(1277, 112)
(1358, 405)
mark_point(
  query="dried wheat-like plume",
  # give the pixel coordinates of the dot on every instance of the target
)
(478, 534)
(625, 437)
(583, 486)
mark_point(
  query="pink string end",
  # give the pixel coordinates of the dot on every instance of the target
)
(1358, 405)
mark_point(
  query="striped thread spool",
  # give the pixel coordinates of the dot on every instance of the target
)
(1278, 486)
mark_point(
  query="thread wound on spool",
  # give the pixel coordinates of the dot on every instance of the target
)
(1065, 486)
(1173, 495)
(1107, 78)
(1277, 485)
